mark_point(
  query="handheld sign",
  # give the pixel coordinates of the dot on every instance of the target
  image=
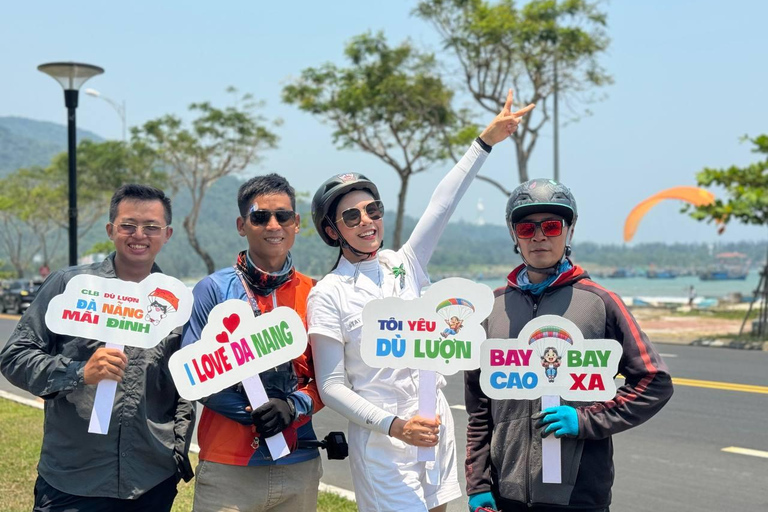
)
(236, 347)
(119, 313)
(550, 359)
(439, 332)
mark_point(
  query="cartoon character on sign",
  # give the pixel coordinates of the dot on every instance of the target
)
(161, 302)
(454, 311)
(550, 342)
(550, 361)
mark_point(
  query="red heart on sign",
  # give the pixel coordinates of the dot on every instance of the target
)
(222, 337)
(231, 322)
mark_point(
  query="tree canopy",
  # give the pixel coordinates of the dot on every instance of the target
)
(746, 189)
(390, 102)
(498, 45)
(218, 142)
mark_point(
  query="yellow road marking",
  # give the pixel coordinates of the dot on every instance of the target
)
(726, 386)
(745, 451)
(713, 384)
(9, 317)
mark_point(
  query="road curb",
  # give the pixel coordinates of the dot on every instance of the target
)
(718, 343)
(37, 404)
(730, 343)
(194, 448)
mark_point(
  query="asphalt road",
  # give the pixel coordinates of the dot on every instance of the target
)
(675, 462)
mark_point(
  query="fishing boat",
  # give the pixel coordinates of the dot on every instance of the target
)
(730, 266)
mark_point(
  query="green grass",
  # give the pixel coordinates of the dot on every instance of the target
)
(21, 434)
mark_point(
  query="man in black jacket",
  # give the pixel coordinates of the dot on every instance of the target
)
(503, 465)
(138, 463)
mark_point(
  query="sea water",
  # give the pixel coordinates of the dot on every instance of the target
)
(677, 287)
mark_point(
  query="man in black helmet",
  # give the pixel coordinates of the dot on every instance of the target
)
(503, 465)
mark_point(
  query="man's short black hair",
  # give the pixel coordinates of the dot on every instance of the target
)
(137, 192)
(263, 186)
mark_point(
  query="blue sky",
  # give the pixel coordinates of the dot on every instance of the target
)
(690, 79)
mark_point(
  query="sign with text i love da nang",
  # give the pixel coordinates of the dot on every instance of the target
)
(236, 347)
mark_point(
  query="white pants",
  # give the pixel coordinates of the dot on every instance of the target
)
(385, 472)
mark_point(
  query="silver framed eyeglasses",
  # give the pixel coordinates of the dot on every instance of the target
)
(128, 228)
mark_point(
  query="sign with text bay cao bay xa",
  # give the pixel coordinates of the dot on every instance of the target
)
(235, 346)
(550, 358)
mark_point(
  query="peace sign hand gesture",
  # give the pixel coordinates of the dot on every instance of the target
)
(505, 123)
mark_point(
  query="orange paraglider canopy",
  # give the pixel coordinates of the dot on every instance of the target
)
(694, 195)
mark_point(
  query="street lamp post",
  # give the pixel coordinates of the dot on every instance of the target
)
(119, 108)
(71, 76)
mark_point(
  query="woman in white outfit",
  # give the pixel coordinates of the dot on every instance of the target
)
(382, 404)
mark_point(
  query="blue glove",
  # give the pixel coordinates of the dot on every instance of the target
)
(483, 499)
(562, 420)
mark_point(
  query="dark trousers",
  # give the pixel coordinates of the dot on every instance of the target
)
(516, 506)
(157, 499)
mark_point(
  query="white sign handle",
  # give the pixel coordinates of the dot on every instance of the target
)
(550, 448)
(254, 388)
(427, 408)
(104, 401)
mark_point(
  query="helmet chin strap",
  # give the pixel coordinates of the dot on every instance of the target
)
(551, 270)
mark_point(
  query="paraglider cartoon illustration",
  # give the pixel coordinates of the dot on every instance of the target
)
(161, 303)
(550, 361)
(454, 311)
(550, 342)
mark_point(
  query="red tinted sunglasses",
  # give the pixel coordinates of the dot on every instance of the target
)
(547, 227)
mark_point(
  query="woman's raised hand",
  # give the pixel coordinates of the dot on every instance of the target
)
(416, 431)
(505, 123)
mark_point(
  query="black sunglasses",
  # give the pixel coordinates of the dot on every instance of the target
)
(352, 217)
(262, 217)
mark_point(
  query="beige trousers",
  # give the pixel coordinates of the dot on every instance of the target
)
(289, 488)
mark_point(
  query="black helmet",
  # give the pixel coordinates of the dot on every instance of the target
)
(329, 192)
(541, 195)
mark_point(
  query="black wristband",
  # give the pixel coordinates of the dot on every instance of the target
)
(389, 432)
(483, 145)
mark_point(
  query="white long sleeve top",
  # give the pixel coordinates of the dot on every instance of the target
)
(335, 306)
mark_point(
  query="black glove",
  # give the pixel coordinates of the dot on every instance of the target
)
(273, 417)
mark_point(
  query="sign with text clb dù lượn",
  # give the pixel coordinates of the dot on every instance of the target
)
(550, 359)
(236, 347)
(118, 313)
(439, 332)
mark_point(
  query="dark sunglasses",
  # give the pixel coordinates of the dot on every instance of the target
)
(262, 217)
(352, 217)
(547, 227)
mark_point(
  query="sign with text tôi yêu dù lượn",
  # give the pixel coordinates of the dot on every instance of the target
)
(120, 312)
(440, 331)
(235, 346)
(550, 358)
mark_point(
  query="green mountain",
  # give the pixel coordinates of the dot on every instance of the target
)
(26, 142)
(465, 249)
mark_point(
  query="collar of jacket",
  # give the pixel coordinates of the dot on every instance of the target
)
(107, 267)
(570, 276)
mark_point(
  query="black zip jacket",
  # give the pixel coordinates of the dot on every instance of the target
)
(504, 448)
